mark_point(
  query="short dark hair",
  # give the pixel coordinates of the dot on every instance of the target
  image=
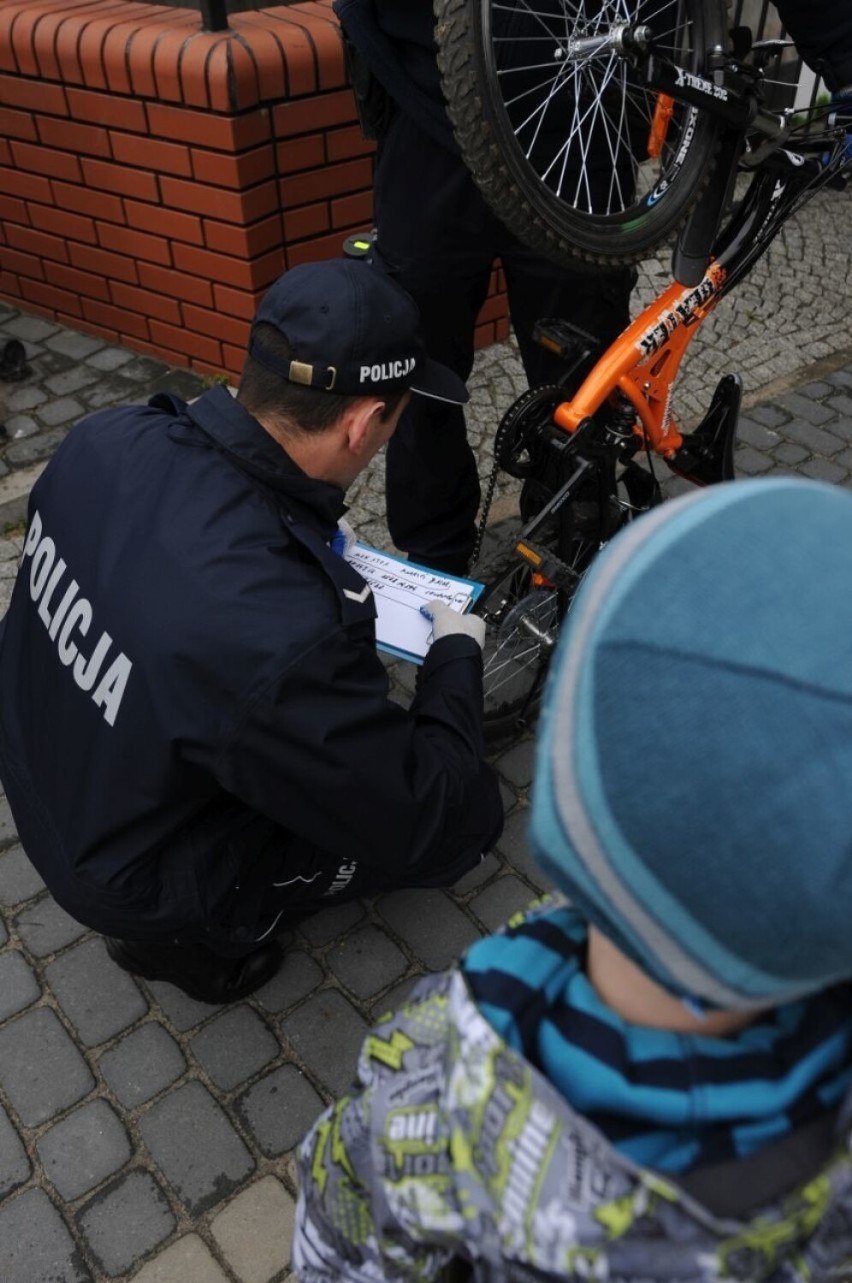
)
(292, 405)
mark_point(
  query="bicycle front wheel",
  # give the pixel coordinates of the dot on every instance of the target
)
(572, 153)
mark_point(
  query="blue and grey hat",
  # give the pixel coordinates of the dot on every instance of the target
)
(693, 788)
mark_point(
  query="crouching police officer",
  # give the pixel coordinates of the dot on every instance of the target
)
(196, 739)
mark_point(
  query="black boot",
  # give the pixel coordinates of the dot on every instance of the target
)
(197, 970)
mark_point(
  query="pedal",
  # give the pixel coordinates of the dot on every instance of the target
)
(564, 339)
(707, 454)
(547, 567)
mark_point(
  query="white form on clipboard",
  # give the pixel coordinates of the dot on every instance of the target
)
(400, 588)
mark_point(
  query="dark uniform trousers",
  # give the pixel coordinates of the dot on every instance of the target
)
(439, 239)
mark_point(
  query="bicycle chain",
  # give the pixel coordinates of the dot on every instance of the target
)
(512, 423)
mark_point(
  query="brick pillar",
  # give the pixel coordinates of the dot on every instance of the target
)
(155, 179)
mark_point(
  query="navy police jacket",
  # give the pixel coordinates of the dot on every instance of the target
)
(190, 697)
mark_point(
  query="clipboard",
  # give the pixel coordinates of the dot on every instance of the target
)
(400, 587)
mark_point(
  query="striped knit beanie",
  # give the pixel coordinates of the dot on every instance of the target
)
(693, 791)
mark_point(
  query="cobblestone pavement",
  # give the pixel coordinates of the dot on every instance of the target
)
(149, 1137)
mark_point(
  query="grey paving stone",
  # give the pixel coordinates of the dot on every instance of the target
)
(195, 1147)
(279, 1109)
(508, 797)
(790, 454)
(25, 398)
(326, 1032)
(109, 359)
(841, 404)
(20, 426)
(805, 409)
(815, 390)
(366, 961)
(296, 978)
(35, 1245)
(19, 880)
(97, 996)
(815, 439)
(331, 923)
(486, 869)
(126, 1221)
(143, 1064)
(4, 934)
(35, 448)
(44, 927)
(8, 832)
(751, 462)
(183, 1012)
(68, 381)
(30, 328)
(143, 369)
(515, 845)
(516, 765)
(234, 1046)
(823, 470)
(756, 434)
(41, 1070)
(82, 1150)
(434, 928)
(187, 1260)
(182, 383)
(65, 409)
(496, 904)
(14, 1164)
(393, 999)
(77, 346)
(46, 362)
(112, 390)
(405, 677)
(254, 1232)
(769, 415)
(18, 986)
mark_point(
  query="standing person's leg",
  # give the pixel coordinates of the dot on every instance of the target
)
(431, 474)
(435, 237)
(598, 302)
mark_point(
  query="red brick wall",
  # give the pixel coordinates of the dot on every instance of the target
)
(155, 179)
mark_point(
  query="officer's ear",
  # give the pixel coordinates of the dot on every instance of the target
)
(365, 424)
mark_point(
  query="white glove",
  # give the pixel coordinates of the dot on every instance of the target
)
(343, 538)
(447, 622)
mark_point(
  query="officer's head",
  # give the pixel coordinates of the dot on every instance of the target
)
(335, 339)
(692, 790)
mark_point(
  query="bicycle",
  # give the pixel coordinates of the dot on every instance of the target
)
(579, 457)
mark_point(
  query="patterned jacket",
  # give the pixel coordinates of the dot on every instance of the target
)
(453, 1145)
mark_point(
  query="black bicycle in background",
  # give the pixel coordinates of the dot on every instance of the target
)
(675, 105)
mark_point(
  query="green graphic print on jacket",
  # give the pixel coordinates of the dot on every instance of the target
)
(454, 1144)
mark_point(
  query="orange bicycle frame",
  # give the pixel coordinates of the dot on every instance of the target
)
(643, 362)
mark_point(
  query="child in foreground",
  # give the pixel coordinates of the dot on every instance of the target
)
(649, 1076)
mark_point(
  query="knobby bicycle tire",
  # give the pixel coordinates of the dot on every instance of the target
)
(528, 113)
(518, 613)
(514, 663)
(523, 617)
